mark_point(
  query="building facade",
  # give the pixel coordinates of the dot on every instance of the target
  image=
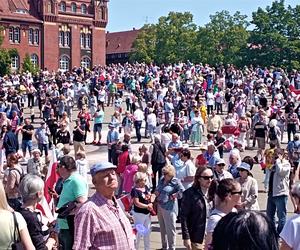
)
(55, 34)
(119, 45)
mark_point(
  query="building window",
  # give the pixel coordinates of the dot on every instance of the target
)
(15, 62)
(11, 34)
(83, 9)
(30, 36)
(67, 39)
(61, 39)
(36, 37)
(88, 41)
(35, 60)
(63, 6)
(64, 63)
(73, 7)
(14, 34)
(82, 40)
(86, 62)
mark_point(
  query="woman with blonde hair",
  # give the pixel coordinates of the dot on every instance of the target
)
(141, 196)
(168, 190)
(12, 222)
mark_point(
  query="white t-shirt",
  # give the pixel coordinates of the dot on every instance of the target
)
(290, 232)
(210, 98)
(7, 227)
(188, 169)
(215, 216)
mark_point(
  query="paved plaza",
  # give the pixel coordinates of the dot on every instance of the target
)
(99, 153)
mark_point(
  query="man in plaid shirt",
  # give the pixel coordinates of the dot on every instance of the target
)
(100, 223)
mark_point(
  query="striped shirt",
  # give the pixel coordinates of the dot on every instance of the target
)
(101, 224)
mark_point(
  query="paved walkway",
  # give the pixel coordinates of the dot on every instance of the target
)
(99, 153)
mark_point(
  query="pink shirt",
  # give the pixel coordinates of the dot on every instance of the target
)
(101, 224)
(128, 177)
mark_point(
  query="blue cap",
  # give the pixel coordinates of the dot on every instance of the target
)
(245, 166)
(100, 167)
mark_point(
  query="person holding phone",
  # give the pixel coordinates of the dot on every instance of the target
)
(278, 188)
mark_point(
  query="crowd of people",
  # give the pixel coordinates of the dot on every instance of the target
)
(193, 116)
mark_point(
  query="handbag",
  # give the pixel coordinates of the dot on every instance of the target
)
(17, 244)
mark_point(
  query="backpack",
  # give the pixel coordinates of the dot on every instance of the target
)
(272, 134)
(20, 173)
(158, 155)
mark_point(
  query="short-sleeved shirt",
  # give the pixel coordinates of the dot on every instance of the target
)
(7, 227)
(290, 232)
(99, 117)
(260, 129)
(73, 187)
(100, 224)
(215, 216)
(27, 136)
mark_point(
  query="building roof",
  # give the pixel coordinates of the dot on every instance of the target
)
(17, 10)
(120, 42)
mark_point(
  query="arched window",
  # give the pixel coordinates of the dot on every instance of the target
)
(83, 9)
(63, 6)
(86, 62)
(15, 62)
(73, 7)
(64, 63)
(35, 60)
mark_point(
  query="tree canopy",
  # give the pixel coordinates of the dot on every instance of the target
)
(271, 37)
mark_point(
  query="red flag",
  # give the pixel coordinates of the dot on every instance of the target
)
(51, 177)
(46, 204)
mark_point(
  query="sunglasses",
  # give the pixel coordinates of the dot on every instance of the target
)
(221, 165)
(237, 192)
(207, 177)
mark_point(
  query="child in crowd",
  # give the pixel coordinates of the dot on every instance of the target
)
(82, 164)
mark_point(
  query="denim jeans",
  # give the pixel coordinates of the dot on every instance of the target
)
(277, 203)
(138, 125)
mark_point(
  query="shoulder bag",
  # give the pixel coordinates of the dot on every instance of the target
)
(17, 244)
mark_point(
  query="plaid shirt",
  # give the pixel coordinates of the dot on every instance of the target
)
(102, 225)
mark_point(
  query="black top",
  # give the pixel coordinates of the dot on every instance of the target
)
(26, 135)
(77, 135)
(193, 215)
(136, 193)
(63, 137)
(260, 129)
(34, 226)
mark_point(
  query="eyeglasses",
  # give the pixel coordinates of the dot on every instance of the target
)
(221, 165)
(207, 177)
(237, 192)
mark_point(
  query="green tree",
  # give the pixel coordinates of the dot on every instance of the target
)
(275, 37)
(176, 37)
(144, 45)
(222, 39)
(28, 65)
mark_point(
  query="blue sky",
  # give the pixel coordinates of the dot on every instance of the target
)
(128, 14)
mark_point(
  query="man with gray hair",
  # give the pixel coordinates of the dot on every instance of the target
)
(100, 221)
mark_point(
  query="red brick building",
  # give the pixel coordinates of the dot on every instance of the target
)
(119, 45)
(56, 34)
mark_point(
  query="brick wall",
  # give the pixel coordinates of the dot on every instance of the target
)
(50, 48)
